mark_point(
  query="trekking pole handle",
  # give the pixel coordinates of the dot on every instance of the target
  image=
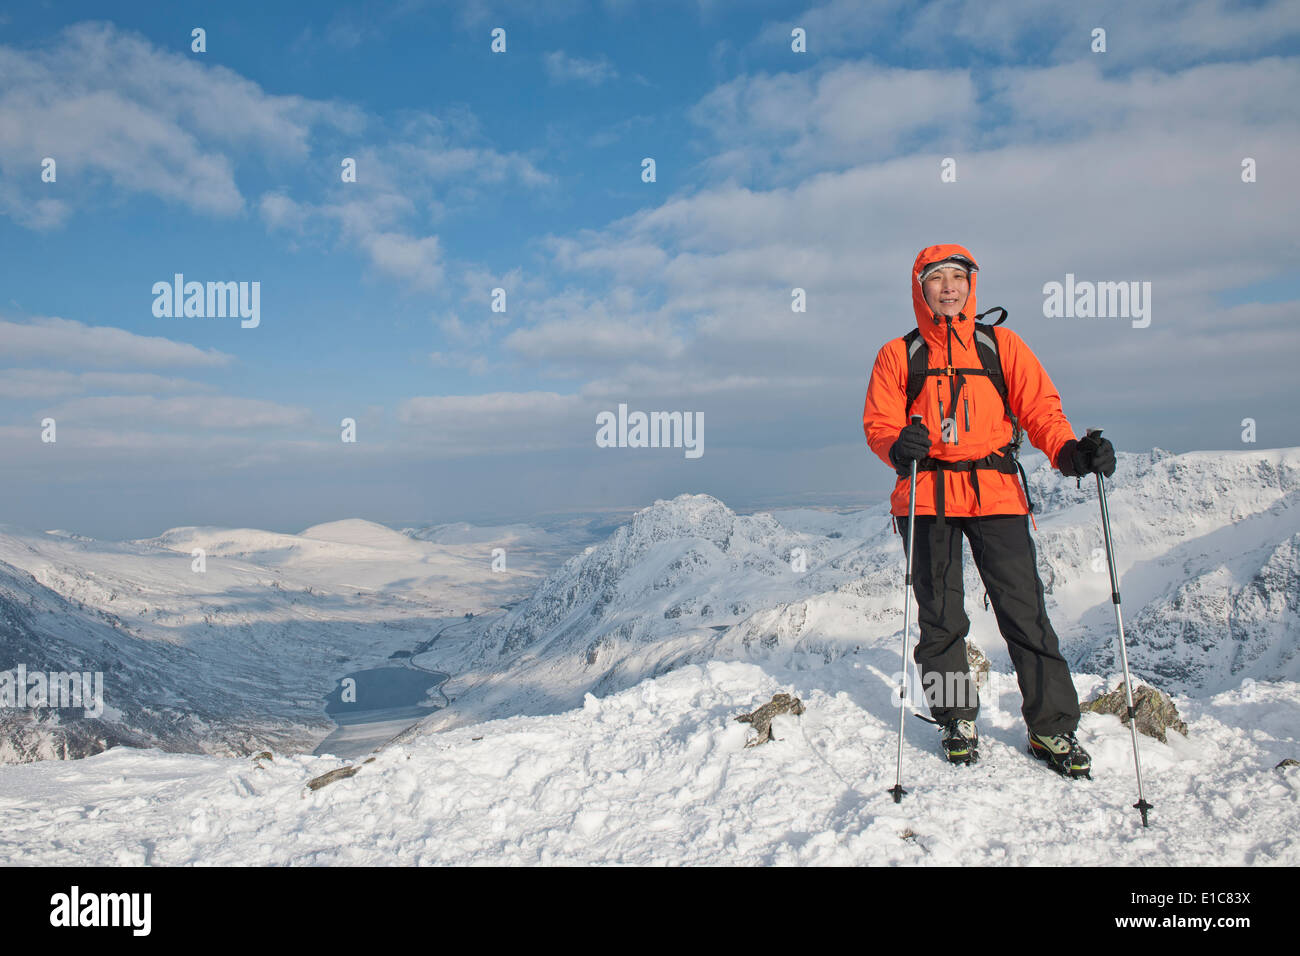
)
(916, 419)
(1096, 433)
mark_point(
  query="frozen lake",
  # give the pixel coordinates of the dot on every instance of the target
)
(387, 701)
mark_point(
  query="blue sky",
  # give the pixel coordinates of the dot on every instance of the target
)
(522, 170)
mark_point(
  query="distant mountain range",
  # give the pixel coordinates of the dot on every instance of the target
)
(242, 655)
(233, 658)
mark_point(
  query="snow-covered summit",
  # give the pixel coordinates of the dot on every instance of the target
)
(658, 774)
(686, 557)
(368, 534)
(1206, 544)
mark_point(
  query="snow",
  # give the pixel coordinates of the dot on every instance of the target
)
(461, 532)
(658, 774)
(368, 534)
(352, 555)
(240, 656)
(603, 692)
(1207, 547)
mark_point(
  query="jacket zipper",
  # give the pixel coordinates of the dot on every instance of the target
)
(938, 391)
(951, 388)
(965, 407)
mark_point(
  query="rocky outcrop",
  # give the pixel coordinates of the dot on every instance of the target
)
(761, 719)
(1155, 710)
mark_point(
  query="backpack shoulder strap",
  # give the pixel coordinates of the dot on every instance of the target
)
(997, 308)
(986, 344)
(918, 361)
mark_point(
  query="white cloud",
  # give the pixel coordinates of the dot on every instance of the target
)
(498, 422)
(118, 453)
(75, 343)
(453, 328)
(575, 327)
(197, 411)
(482, 15)
(37, 383)
(782, 127)
(622, 258)
(114, 110)
(110, 107)
(280, 212)
(415, 260)
(588, 337)
(1220, 99)
(1158, 32)
(419, 165)
(561, 68)
(402, 186)
(679, 381)
(1110, 176)
(474, 364)
(456, 411)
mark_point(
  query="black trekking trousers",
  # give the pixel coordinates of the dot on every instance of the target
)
(1005, 557)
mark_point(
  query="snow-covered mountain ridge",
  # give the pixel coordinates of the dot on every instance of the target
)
(1206, 544)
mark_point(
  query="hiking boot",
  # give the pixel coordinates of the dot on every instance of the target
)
(960, 741)
(1062, 753)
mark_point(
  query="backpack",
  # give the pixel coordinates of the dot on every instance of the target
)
(986, 346)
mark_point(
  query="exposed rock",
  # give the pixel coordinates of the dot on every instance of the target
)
(761, 719)
(338, 773)
(1155, 711)
(979, 664)
(1288, 762)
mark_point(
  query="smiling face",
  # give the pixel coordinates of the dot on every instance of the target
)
(946, 290)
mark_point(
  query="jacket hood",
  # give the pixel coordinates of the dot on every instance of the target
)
(962, 323)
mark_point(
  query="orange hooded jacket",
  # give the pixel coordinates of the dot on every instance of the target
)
(981, 420)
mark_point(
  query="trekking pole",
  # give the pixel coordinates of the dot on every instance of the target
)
(1141, 806)
(898, 790)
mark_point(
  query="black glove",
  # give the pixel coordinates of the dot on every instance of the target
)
(1086, 456)
(913, 444)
